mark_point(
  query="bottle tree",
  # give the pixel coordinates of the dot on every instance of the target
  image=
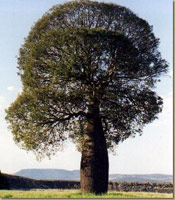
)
(88, 71)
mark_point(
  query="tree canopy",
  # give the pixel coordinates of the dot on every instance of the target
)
(81, 54)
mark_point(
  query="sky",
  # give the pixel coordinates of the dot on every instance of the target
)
(147, 154)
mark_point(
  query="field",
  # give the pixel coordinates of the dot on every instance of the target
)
(50, 193)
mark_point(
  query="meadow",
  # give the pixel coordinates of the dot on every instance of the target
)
(55, 193)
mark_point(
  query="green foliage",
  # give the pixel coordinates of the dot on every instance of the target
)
(82, 53)
(78, 194)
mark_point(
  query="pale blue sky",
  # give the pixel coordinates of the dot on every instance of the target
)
(150, 153)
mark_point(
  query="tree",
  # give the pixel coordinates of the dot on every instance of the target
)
(88, 71)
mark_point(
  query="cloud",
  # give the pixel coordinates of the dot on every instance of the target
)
(11, 88)
(2, 100)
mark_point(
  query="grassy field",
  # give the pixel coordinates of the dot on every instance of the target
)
(77, 194)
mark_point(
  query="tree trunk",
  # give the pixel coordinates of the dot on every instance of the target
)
(94, 161)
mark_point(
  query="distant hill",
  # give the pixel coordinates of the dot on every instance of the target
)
(49, 174)
(156, 178)
(61, 174)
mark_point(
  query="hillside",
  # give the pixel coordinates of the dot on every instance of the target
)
(60, 174)
(20, 183)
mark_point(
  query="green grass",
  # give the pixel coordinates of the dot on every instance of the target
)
(77, 194)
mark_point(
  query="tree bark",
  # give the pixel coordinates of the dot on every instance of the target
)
(94, 161)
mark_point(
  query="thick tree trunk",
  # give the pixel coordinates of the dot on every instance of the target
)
(94, 161)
